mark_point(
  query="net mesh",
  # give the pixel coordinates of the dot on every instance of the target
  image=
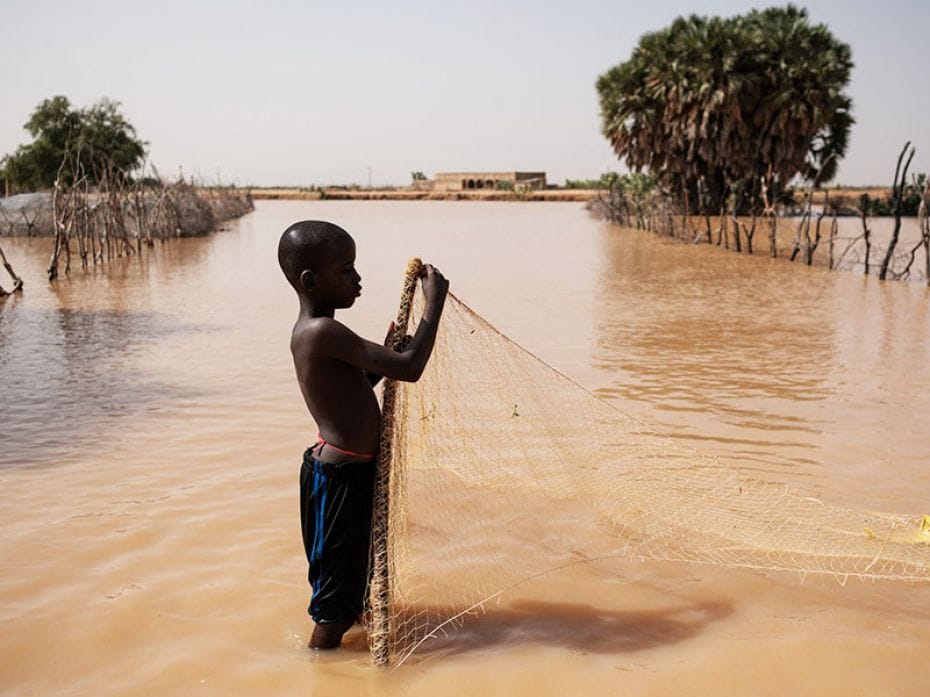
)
(492, 437)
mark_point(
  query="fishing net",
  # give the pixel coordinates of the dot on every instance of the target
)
(492, 437)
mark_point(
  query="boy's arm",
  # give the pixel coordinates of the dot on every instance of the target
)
(374, 379)
(338, 341)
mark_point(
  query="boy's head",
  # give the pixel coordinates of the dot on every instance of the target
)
(318, 258)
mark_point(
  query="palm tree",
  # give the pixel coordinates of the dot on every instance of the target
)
(724, 101)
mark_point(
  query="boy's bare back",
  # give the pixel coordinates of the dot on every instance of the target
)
(338, 394)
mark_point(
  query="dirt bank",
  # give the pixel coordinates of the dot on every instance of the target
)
(297, 194)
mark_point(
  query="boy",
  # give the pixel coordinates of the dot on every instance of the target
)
(336, 371)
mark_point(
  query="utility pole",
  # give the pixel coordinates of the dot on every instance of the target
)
(369, 177)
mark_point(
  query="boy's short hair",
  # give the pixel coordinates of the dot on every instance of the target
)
(304, 244)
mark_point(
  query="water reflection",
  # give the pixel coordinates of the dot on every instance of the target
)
(721, 352)
(66, 371)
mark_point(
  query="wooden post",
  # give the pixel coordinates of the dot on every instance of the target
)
(897, 193)
(17, 281)
(864, 204)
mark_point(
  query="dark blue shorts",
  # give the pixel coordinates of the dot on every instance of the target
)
(335, 518)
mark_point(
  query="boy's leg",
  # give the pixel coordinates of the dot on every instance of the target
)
(335, 507)
(328, 636)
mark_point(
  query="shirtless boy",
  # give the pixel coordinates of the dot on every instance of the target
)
(336, 371)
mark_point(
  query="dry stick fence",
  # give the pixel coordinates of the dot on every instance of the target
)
(17, 281)
(116, 216)
(656, 211)
(924, 221)
(895, 264)
(897, 193)
(30, 217)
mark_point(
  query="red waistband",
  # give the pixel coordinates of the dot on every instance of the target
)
(322, 441)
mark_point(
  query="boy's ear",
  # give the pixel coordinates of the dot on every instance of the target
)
(306, 279)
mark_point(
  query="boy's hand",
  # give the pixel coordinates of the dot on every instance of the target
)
(435, 285)
(402, 346)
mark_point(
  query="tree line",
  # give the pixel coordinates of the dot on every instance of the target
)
(719, 107)
(100, 134)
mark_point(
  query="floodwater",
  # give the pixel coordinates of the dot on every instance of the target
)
(151, 432)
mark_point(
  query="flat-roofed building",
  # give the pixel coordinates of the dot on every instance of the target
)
(462, 181)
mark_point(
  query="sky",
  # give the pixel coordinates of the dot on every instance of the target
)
(302, 93)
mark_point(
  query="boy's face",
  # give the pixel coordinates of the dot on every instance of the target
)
(336, 283)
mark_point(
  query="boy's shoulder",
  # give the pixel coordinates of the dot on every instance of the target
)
(320, 335)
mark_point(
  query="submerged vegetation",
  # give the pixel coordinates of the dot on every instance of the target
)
(104, 202)
(638, 201)
(114, 216)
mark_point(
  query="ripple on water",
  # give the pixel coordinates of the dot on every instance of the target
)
(67, 371)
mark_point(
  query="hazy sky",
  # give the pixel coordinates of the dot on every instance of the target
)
(307, 92)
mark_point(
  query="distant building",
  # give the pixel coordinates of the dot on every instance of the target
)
(461, 181)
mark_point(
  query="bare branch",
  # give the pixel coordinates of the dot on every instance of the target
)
(898, 195)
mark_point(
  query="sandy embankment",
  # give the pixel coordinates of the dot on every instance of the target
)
(299, 194)
(295, 194)
(850, 195)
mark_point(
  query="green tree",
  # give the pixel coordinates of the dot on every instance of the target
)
(98, 137)
(724, 102)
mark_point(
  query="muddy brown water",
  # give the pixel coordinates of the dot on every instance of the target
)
(151, 432)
